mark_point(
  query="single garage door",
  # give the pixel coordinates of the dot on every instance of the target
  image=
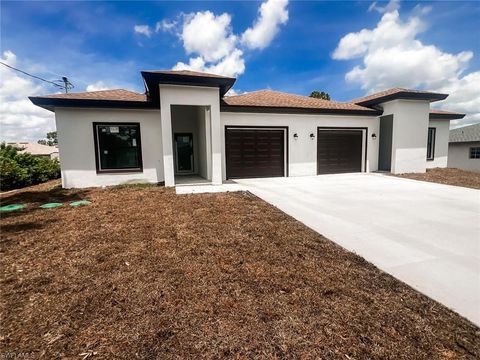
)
(339, 151)
(255, 152)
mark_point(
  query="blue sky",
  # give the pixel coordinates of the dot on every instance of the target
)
(300, 50)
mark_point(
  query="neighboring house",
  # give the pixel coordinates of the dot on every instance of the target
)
(186, 125)
(464, 148)
(35, 149)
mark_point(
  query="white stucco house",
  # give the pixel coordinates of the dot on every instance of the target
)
(184, 128)
(464, 148)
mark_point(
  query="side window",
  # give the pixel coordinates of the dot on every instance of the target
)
(431, 144)
(475, 153)
(117, 147)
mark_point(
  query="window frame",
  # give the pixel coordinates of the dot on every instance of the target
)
(477, 150)
(97, 149)
(432, 157)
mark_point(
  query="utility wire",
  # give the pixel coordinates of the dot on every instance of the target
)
(66, 84)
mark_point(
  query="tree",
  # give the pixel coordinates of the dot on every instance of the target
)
(20, 170)
(320, 95)
(51, 139)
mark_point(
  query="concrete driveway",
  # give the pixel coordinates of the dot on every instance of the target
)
(425, 234)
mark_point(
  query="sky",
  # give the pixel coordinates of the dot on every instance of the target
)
(346, 48)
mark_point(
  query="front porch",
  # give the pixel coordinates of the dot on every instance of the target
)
(191, 136)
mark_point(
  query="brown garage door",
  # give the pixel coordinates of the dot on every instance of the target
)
(339, 151)
(255, 152)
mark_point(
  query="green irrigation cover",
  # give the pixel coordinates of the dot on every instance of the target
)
(12, 207)
(50, 205)
(80, 203)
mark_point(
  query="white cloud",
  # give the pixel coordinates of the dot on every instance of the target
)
(392, 5)
(393, 56)
(213, 46)
(233, 92)
(143, 29)
(273, 13)
(97, 86)
(19, 118)
(231, 65)
(165, 25)
(208, 35)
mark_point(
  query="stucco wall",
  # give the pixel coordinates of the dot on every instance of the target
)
(410, 130)
(441, 143)
(458, 156)
(76, 144)
(302, 153)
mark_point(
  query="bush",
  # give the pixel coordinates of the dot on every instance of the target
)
(20, 170)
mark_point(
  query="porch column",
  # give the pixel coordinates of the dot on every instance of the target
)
(166, 121)
(216, 143)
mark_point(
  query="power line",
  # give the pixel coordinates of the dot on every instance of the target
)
(67, 85)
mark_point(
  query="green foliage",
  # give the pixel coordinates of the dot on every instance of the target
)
(51, 139)
(20, 170)
(320, 95)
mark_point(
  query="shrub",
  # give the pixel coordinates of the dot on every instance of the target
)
(20, 170)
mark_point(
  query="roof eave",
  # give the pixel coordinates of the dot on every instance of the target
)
(404, 95)
(451, 116)
(295, 110)
(152, 79)
(51, 103)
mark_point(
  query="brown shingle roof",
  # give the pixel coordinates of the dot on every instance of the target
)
(187, 73)
(109, 95)
(276, 99)
(444, 114)
(398, 93)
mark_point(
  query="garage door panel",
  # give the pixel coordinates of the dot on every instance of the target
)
(339, 151)
(255, 152)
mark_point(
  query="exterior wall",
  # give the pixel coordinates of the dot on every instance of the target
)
(302, 153)
(442, 133)
(410, 131)
(77, 147)
(191, 95)
(458, 156)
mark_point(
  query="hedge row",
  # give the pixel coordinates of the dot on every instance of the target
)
(20, 170)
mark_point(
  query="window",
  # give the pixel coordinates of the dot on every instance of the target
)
(431, 144)
(475, 153)
(117, 147)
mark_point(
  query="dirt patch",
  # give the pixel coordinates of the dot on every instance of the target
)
(448, 176)
(144, 273)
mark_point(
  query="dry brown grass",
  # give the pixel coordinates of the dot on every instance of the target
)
(448, 176)
(144, 273)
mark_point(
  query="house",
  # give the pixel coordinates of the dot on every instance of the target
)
(464, 148)
(35, 149)
(185, 128)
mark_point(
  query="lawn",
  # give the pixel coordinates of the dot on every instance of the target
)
(447, 176)
(144, 273)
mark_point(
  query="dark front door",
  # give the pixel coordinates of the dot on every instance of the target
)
(339, 151)
(184, 153)
(255, 152)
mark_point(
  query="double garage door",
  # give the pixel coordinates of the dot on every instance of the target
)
(261, 152)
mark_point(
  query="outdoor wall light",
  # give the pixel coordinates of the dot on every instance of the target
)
(312, 136)
(295, 136)
(374, 136)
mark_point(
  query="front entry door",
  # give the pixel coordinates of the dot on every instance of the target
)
(184, 153)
